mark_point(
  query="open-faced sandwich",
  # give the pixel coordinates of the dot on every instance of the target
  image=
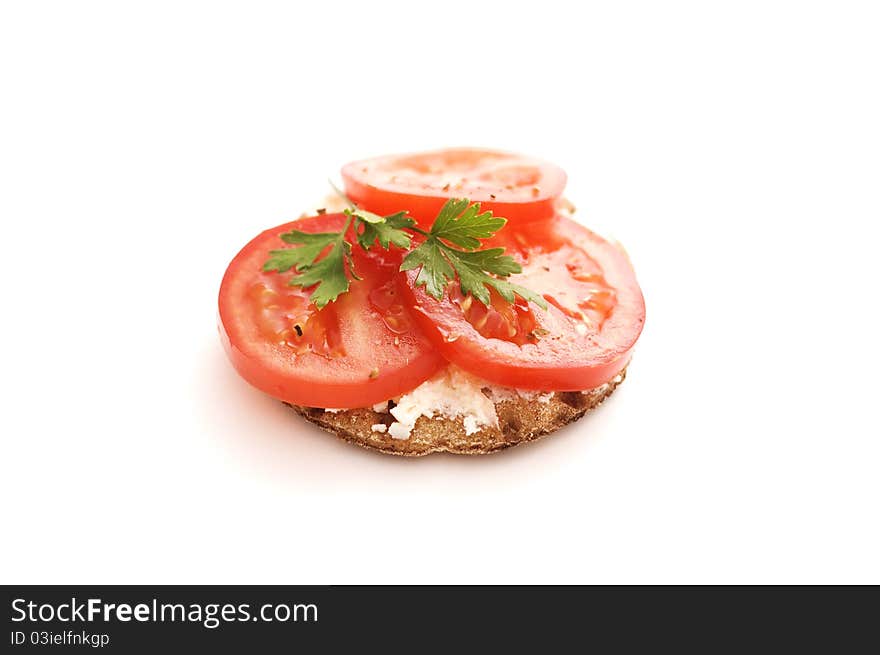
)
(452, 305)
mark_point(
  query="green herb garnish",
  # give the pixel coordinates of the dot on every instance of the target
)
(328, 273)
(392, 230)
(449, 250)
(460, 223)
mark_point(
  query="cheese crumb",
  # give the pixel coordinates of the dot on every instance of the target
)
(378, 427)
(399, 431)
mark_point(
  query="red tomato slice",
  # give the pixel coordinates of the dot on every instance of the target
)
(518, 188)
(358, 351)
(596, 313)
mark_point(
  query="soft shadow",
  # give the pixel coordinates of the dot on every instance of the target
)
(268, 440)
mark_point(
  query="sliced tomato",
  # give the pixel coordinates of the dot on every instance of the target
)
(518, 188)
(594, 317)
(358, 351)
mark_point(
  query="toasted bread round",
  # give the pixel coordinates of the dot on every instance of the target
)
(519, 420)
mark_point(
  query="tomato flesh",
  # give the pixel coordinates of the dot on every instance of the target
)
(595, 313)
(360, 350)
(518, 188)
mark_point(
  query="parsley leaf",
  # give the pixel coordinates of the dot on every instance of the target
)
(438, 262)
(312, 245)
(464, 225)
(329, 273)
(364, 215)
(435, 272)
(390, 230)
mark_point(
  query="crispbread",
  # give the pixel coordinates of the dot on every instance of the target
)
(519, 420)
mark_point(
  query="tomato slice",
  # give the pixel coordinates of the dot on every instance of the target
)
(518, 188)
(595, 313)
(358, 351)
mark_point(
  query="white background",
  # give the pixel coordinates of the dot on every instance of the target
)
(732, 147)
